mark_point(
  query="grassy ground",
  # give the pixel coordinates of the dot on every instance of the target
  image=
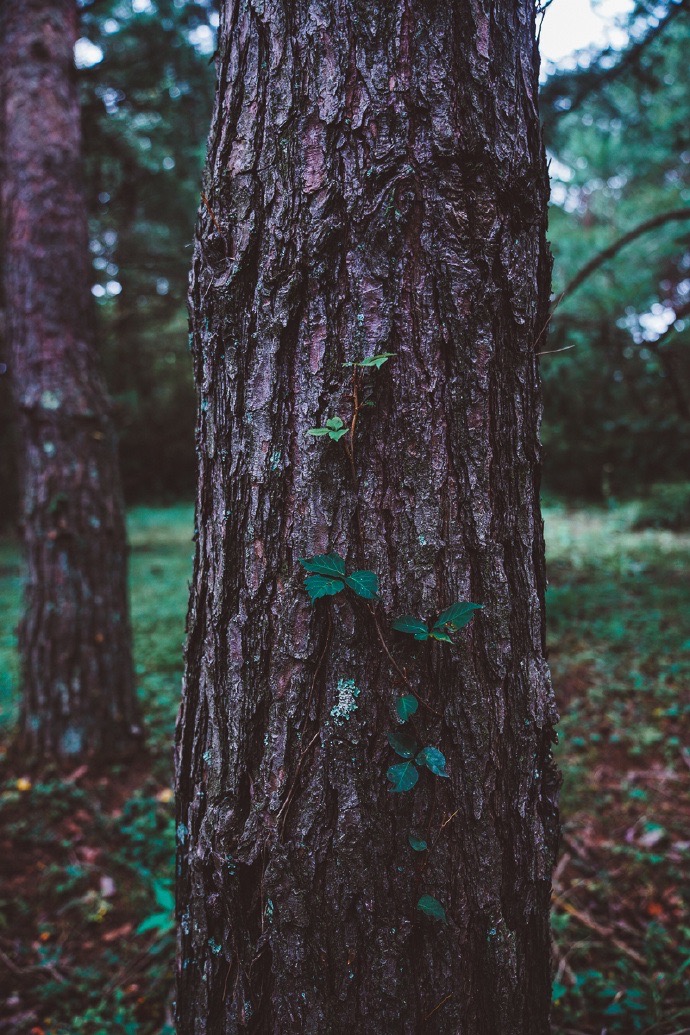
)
(619, 609)
(86, 860)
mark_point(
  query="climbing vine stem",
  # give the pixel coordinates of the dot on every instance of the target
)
(326, 575)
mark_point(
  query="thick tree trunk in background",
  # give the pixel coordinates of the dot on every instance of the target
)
(75, 642)
(376, 181)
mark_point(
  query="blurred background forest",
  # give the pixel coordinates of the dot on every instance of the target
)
(86, 936)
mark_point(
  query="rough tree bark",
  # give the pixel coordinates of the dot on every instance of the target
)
(375, 182)
(74, 639)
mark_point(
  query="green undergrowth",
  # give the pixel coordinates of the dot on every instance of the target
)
(618, 606)
(86, 859)
(10, 596)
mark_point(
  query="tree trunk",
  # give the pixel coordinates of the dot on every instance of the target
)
(74, 639)
(376, 182)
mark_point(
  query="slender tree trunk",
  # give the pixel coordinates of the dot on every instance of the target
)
(75, 642)
(375, 182)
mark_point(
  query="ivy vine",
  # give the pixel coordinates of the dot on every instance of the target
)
(326, 575)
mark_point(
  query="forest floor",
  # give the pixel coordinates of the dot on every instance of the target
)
(86, 860)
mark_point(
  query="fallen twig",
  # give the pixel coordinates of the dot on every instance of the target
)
(603, 932)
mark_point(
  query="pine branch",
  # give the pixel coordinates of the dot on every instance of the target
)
(577, 86)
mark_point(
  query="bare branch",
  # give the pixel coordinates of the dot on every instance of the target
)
(602, 257)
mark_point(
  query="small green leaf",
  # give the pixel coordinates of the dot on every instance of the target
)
(403, 744)
(376, 361)
(434, 760)
(412, 626)
(324, 564)
(334, 428)
(432, 907)
(364, 583)
(164, 896)
(318, 586)
(416, 844)
(558, 991)
(403, 776)
(406, 706)
(156, 922)
(436, 634)
(457, 616)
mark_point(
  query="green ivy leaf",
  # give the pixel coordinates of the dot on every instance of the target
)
(416, 844)
(436, 634)
(334, 428)
(432, 907)
(364, 583)
(403, 776)
(403, 744)
(457, 616)
(377, 360)
(318, 586)
(406, 706)
(434, 760)
(162, 922)
(164, 896)
(412, 626)
(324, 564)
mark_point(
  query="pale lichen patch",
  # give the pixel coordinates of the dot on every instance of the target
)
(346, 705)
(50, 400)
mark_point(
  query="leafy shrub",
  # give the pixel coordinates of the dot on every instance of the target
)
(666, 506)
